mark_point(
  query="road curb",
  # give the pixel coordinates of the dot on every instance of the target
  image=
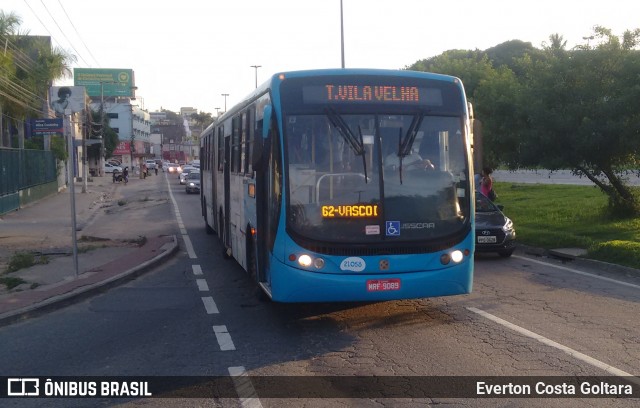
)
(578, 260)
(84, 292)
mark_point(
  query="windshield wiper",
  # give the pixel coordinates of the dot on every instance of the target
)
(336, 120)
(364, 158)
(357, 144)
(405, 144)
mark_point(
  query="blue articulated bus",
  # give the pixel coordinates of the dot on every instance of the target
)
(345, 185)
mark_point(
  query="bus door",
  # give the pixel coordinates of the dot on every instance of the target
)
(268, 196)
(227, 196)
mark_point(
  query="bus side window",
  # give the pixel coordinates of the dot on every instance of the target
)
(243, 144)
(220, 149)
(235, 145)
(250, 131)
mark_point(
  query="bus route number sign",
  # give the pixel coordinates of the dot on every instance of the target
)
(350, 211)
(382, 285)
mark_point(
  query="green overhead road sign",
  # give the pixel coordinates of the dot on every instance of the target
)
(105, 82)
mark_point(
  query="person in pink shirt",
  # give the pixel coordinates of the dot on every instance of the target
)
(486, 186)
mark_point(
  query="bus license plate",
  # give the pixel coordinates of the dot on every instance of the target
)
(380, 285)
(487, 240)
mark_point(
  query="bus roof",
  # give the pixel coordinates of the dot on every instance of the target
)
(279, 76)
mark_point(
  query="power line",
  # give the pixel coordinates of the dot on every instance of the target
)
(63, 34)
(79, 36)
(20, 90)
(19, 102)
(41, 23)
(20, 59)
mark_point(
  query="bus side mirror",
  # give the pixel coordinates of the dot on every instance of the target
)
(260, 139)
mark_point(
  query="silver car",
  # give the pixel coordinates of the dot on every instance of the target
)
(185, 173)
(193, 182)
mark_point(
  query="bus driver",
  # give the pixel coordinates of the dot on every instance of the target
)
(412, 161)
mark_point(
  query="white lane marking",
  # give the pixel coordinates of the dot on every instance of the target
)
(224, 338)
(197, 270)
(183, 230)
(209, 305)
(244, 388)
(189, 245)
(564, 268)
(202, 285)
(573, 353)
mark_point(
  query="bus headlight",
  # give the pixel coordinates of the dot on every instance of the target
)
(304, 260)
(456, 256)
(318, 263)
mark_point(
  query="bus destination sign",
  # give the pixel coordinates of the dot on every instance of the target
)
(354, 93)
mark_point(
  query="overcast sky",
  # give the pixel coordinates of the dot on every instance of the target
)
(189, 52)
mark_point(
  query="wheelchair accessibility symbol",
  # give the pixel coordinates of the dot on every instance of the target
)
(393, 228)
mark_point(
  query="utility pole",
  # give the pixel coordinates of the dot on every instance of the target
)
(72, 191)
(225, 101)
(256, 68)
(85, 129)
(102, 133)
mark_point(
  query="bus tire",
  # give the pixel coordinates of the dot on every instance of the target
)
(251, 256)
(226, 251)
(252, 267)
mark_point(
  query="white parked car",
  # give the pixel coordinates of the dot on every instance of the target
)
(151, 164)
(110, 168)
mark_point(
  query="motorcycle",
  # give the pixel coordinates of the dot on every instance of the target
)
(117, 177)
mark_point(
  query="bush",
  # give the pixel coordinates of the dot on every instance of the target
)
(21, 260)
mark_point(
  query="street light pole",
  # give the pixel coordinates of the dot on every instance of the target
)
(101, 164)
(102, 134)
(225, 101)
(341, 34)
(256, 68)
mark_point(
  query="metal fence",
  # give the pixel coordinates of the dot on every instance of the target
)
(23, 168)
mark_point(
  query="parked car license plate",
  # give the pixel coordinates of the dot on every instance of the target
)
(487, 240)
(380, 285)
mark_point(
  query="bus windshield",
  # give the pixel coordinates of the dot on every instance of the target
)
(376, 177)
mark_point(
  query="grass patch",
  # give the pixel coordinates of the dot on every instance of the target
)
(88, 248)
(21, 260)
(556, 216)
(11, 282)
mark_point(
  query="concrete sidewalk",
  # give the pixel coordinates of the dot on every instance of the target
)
(122, 231)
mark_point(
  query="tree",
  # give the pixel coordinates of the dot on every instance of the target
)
(203, 119)
(582, 114)
(557, 108)
(470, 66)
(29, 67)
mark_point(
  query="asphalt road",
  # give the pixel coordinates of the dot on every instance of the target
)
(199, 316)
